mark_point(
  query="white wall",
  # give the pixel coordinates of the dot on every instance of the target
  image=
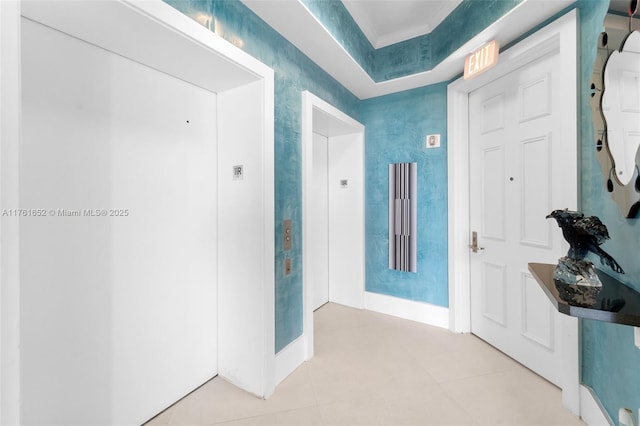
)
(246, 301)
(118, 313)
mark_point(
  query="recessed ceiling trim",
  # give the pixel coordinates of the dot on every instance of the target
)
(399, 36)
(387, 22)
(296, 23)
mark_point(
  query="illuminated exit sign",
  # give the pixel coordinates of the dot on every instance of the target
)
(481, 60)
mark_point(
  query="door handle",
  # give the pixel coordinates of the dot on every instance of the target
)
(474, 243)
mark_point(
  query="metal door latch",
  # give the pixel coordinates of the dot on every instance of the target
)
(474, 243)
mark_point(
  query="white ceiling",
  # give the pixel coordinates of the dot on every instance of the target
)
(386, 22)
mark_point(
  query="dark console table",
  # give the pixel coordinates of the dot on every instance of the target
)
(616, 302)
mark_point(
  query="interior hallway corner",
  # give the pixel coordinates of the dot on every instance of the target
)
(373, 369)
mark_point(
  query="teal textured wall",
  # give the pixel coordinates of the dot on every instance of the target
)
(610, 361)
(294, 73)
(396, 126)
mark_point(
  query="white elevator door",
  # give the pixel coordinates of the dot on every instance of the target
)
(517, 175)
(336, 214)
(319, 216)
(118, 279)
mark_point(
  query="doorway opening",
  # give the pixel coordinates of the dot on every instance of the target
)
(333, 210)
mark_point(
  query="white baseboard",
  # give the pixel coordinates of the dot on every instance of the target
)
(425, 313)
(591, 410)
(294, 354)
(289, 358)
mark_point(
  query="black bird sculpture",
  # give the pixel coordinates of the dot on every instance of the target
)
(584, 235)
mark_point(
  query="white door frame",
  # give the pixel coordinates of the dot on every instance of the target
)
(209, 45)
(10, 118)
(560, 35)
(301, 349)
(309, 103)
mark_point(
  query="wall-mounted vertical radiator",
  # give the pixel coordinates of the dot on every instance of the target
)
(402, 216)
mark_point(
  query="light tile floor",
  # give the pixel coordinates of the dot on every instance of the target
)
(373, 369)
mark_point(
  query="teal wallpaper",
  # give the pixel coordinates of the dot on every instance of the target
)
(294, 73)
(396, 126)
(610, 361)
(395, 129)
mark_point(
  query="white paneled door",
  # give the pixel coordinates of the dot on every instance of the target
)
(517, 177)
